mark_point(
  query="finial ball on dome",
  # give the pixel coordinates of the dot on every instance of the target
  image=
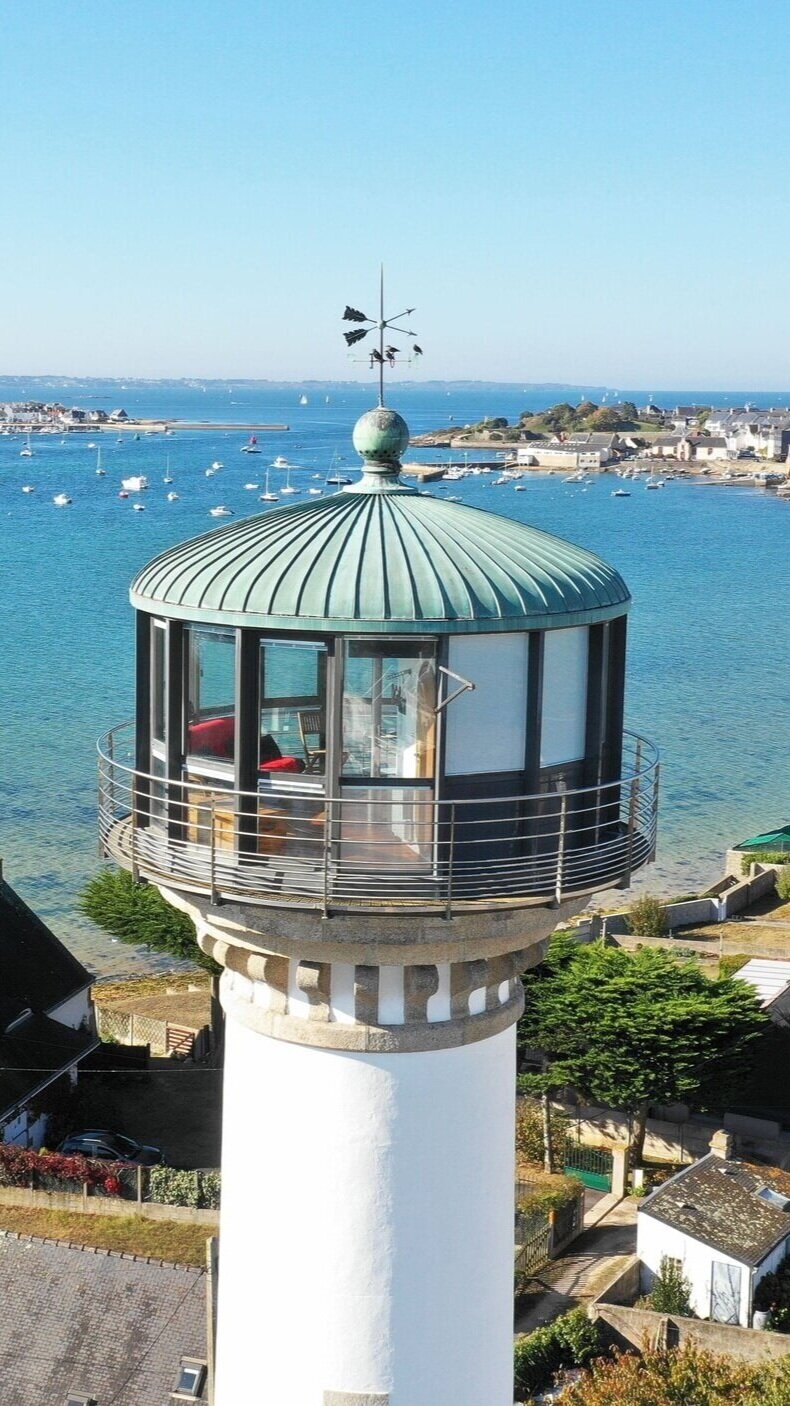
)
(380, 436)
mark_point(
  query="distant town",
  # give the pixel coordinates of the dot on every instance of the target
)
(594, 437)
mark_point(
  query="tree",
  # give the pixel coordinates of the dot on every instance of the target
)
(635, 1028)
(684, 1376)
(671, 1291)
(138, 915)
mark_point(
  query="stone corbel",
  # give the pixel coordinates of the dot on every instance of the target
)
(366, 995)
(465, 977)
(314, 979)
(419, 984)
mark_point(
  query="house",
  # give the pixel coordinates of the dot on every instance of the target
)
(116, 415)
(727, 1224)
(706, 446)
(579, 451)
(770, 981)
(46, 1021)
(86, 1326)
(684, 416)
(669, 446)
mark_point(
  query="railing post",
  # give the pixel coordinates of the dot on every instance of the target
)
(448, 907)
(655, 812)
(629, 862)
(213, 850)
(327, 843)
(561, 851)
(135, 866)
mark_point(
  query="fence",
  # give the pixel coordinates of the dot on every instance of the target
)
(163, 1037)
(542, 1234)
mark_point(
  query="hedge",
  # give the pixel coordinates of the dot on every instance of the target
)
(570, 1341)
(171, 1187)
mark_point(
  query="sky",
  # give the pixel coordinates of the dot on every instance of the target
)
(566, 191)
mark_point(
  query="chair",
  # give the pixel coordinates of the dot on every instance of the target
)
(311, 725)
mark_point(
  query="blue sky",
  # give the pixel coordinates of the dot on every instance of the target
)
(565, 190)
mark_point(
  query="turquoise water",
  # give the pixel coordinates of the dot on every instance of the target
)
(709, 632)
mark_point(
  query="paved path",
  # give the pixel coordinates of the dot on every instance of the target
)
(577, 1276)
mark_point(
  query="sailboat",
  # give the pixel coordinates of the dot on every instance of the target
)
(99, 470)
(251, 447)
(303, 400)
(288, 486)
(26, 453)
(268, 496)
(167, 478)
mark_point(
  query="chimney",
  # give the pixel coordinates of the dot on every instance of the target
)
(722, 1144)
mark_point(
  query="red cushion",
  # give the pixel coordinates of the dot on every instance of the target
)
(283, 764)
(213, 737)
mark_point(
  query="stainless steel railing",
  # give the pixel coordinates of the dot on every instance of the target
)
(394, 850)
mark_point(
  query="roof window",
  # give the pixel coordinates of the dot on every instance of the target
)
(77, 1399)
(190, 1380)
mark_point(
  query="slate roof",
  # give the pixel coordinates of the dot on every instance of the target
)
(34, 964)
(104, 1324)
(32, 1052)
(718, 1202)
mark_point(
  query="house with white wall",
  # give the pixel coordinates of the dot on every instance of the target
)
(46, 1019)
(727, 1224)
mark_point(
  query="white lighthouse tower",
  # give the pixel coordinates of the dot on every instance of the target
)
(379, 754)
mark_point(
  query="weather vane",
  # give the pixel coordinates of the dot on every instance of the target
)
(383, 355)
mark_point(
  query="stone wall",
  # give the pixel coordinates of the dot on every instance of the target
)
(626, 1327)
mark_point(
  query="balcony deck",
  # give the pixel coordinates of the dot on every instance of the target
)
(291, 846)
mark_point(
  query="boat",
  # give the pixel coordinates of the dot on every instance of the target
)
(99, 470)
(521, 488)
(167, 478)
(137, 436)
(172, 497)
(221, 511)
(27, 452)
(210, 473)
(652, 483)
(139, 507)
(280, 462)
(252, 485)
(91, 444)
(575, 478)
(288, 486)
(267, 496)
(28, 488)
(338, 479)
(621, 493)
(136, 483)
(61, 500)
(123, 493)
(251, 447)
(315, 491)
(303, 400)
(217, 464)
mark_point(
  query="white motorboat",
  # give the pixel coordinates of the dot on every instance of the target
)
(123, 493)
(139, 507)
(252, 485)
(338, 479)
(136, 484)
(316, 492)
(27, 452)
(521, 488)
(217, 464)
(279, 462)
(91, 444)
(210, 473)
(221, 511)
(61, 500)
(621, 493)
(172, 497)
(28, 488)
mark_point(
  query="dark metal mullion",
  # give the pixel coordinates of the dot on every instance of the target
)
(174, 722)
(143, 758)
(248, 727)
(533, 739)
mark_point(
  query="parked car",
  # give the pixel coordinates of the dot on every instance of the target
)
(111, 1147)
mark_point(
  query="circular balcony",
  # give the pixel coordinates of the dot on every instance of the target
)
(389, 850)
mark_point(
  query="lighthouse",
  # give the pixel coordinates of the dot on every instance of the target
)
(378, 755)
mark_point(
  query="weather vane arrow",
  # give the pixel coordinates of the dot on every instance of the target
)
(385, 354)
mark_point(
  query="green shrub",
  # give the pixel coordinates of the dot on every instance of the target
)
(671, 1291)
(570, 1341)
(170, 1186)
(773, 1293)
(647, 917)
(559, 1193)
(529, 1130)
(732, 963)
(783, 883)
(766, 856)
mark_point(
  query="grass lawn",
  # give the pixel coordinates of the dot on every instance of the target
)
(158, 1239)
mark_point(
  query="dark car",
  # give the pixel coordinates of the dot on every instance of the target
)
(111, 1147)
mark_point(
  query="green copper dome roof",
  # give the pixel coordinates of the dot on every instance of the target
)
(381, 556)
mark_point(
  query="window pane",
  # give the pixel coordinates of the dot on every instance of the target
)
(158, 681)
(293, 707)
(211, 720)
(389, 701)
(564, 701)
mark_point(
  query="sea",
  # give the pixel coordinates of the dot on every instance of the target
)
(709, 635)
